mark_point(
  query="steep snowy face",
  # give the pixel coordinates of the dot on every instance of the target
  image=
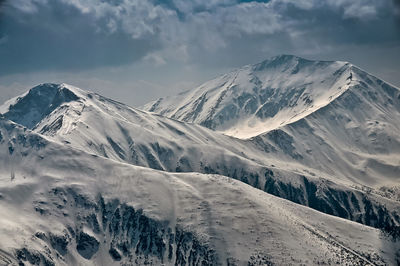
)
(110, 129)
(37, 103)
(329, 116)
(258, 98)
(275, 164)
(355, 135)
(66, 207)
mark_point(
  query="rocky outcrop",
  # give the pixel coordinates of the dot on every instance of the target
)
(38, 103)
(129, 235)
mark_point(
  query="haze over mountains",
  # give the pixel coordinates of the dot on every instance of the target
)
(100, 179)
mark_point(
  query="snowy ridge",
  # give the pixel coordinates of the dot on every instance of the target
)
(185, 218)
(352, 114)
(258, 98)
(29, 110)
(110, 129)
(355, 136)
(329, 141)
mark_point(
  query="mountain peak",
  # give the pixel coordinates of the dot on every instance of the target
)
(276, 61)
(285, 57)
(38, 102)
(287, 62)
(54, 88)
(261, 97)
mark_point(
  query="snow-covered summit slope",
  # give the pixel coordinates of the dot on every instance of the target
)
(331, 116)
(66, 207)
(357, 135)
(276, 92)
(30, 108)
(261, 97)
(101, 126)
(111, 129)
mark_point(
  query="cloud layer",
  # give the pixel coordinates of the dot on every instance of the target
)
(136, 50)
(83, 34)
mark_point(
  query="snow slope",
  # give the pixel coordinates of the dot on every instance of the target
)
(68, 207)
(258, 98)
(356, 135)
(330, 116)
(101, 126)
(111, 129)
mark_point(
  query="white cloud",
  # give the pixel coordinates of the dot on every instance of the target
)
(359, 9)
(363, 12)
(154, 59)
(248, 18)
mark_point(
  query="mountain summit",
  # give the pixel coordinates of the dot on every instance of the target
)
(85, 169)
(38, 102)
(279, 91)
(331, 116)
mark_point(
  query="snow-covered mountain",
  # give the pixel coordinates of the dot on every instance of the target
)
(356, 135)
(276, 92)
(64, 206)
(258, 98)
(330, 116)
(113, 130)
(101, 126)
(320, 134)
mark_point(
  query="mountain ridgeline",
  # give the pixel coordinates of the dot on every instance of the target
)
(257, 98)
(67, 207)
(318, 133)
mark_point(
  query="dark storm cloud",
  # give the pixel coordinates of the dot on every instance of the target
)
(70, 35)
(250, 32)
(396, 4)
(343, 24)
(57, 36)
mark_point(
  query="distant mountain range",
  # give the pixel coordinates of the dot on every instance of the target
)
(216, 175)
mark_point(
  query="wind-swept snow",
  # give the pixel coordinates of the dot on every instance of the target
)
(330, 116)
(273, 163)
(321, 134)
(69, 207)
(258, 98)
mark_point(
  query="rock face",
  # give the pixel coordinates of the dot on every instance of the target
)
(38, 103)
(86, 245)
(129, 236)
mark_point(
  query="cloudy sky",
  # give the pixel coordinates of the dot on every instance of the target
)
(138, 50)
